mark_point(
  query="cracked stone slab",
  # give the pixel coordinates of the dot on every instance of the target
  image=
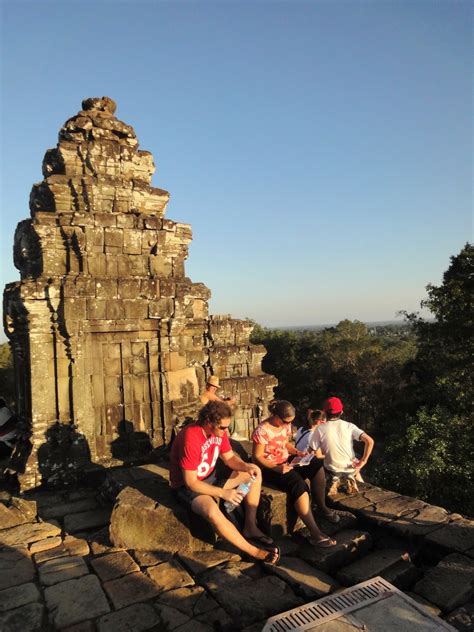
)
(449, 584)
(17, 511)
(59, 510)
(62, 569)
(192, 600)
(199, 561)
(27, 533)
(137, 617)
(263, 598)
(45, 545)
(370, 566)
(114, 565)
(303, 578)
(16, 568)
(230, 574)
(216, 619)
(132, 588)
(28, 618)
(368, 495)
(420, 522)
(76, 600)
(402, 575)
(171, 619)
(350, 546)
(85, 520)
(455, 536)
(69, 546)
(170, 575)
(151, 558)
(18, 596)
(389, 510)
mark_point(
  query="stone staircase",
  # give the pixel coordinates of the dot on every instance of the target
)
(64, 567)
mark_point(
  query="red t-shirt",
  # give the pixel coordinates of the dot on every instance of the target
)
(192, 450)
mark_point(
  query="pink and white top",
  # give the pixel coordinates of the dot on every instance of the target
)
(274, 440)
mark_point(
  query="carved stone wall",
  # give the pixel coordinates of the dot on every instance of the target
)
(111, 342)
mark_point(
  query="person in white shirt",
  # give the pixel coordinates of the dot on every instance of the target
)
(314, 419)
(335, 441)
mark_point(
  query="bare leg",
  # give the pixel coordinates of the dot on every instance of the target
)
(207, 508)
(318, 492)
(303, 509)
(251, 501)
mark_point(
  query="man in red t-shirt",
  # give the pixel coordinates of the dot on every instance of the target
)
(192, 477)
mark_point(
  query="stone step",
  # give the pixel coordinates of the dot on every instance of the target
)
(373, 564)
(449, 584)
(351, 545)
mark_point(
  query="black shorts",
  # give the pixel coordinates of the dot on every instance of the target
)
(293, 482)
(186, 496)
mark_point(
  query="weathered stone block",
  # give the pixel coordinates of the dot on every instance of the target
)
(16, 568)
(370, 566)
(136, 617)
(449, 584)
(27, 533)
(132, 588)
(18, 596)
(114, 565)
(455, 536)
(28, 618)
(304, 579)
(76, 600)
(73, 523)
(62, 569)
(140, 522)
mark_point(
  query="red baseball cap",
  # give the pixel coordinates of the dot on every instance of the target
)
(333, 406)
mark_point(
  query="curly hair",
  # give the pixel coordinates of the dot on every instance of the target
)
(213, 412)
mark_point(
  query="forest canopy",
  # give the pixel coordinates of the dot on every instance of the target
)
(410, 387)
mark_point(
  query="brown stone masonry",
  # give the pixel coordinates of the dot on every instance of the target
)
(112, 343)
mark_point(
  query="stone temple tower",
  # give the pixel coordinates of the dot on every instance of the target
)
(111, 342)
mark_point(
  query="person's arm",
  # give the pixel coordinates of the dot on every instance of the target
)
(294, 451)
(368, 447)
(259, 456)
(201, 487)
(234, 461)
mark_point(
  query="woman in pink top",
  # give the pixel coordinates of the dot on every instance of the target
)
(272, 450)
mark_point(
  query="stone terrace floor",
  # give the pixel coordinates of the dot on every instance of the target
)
(59, 571)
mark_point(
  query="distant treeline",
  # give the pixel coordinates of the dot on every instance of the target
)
(411, 387)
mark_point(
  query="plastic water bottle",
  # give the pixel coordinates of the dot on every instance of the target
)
(243, 489)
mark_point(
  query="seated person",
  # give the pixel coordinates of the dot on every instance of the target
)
(271, 451)
(192, 477)
(210, 393)
(335, 442)
(8, 430)
(314, 419)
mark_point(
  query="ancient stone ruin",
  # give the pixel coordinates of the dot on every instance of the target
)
(112, 343)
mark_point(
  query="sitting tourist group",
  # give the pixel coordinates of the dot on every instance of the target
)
(320, 456)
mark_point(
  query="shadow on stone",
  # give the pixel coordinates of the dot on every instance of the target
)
(131, 447)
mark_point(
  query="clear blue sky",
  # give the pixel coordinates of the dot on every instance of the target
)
(321, 151)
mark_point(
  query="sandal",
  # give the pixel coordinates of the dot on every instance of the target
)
(325, 543)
